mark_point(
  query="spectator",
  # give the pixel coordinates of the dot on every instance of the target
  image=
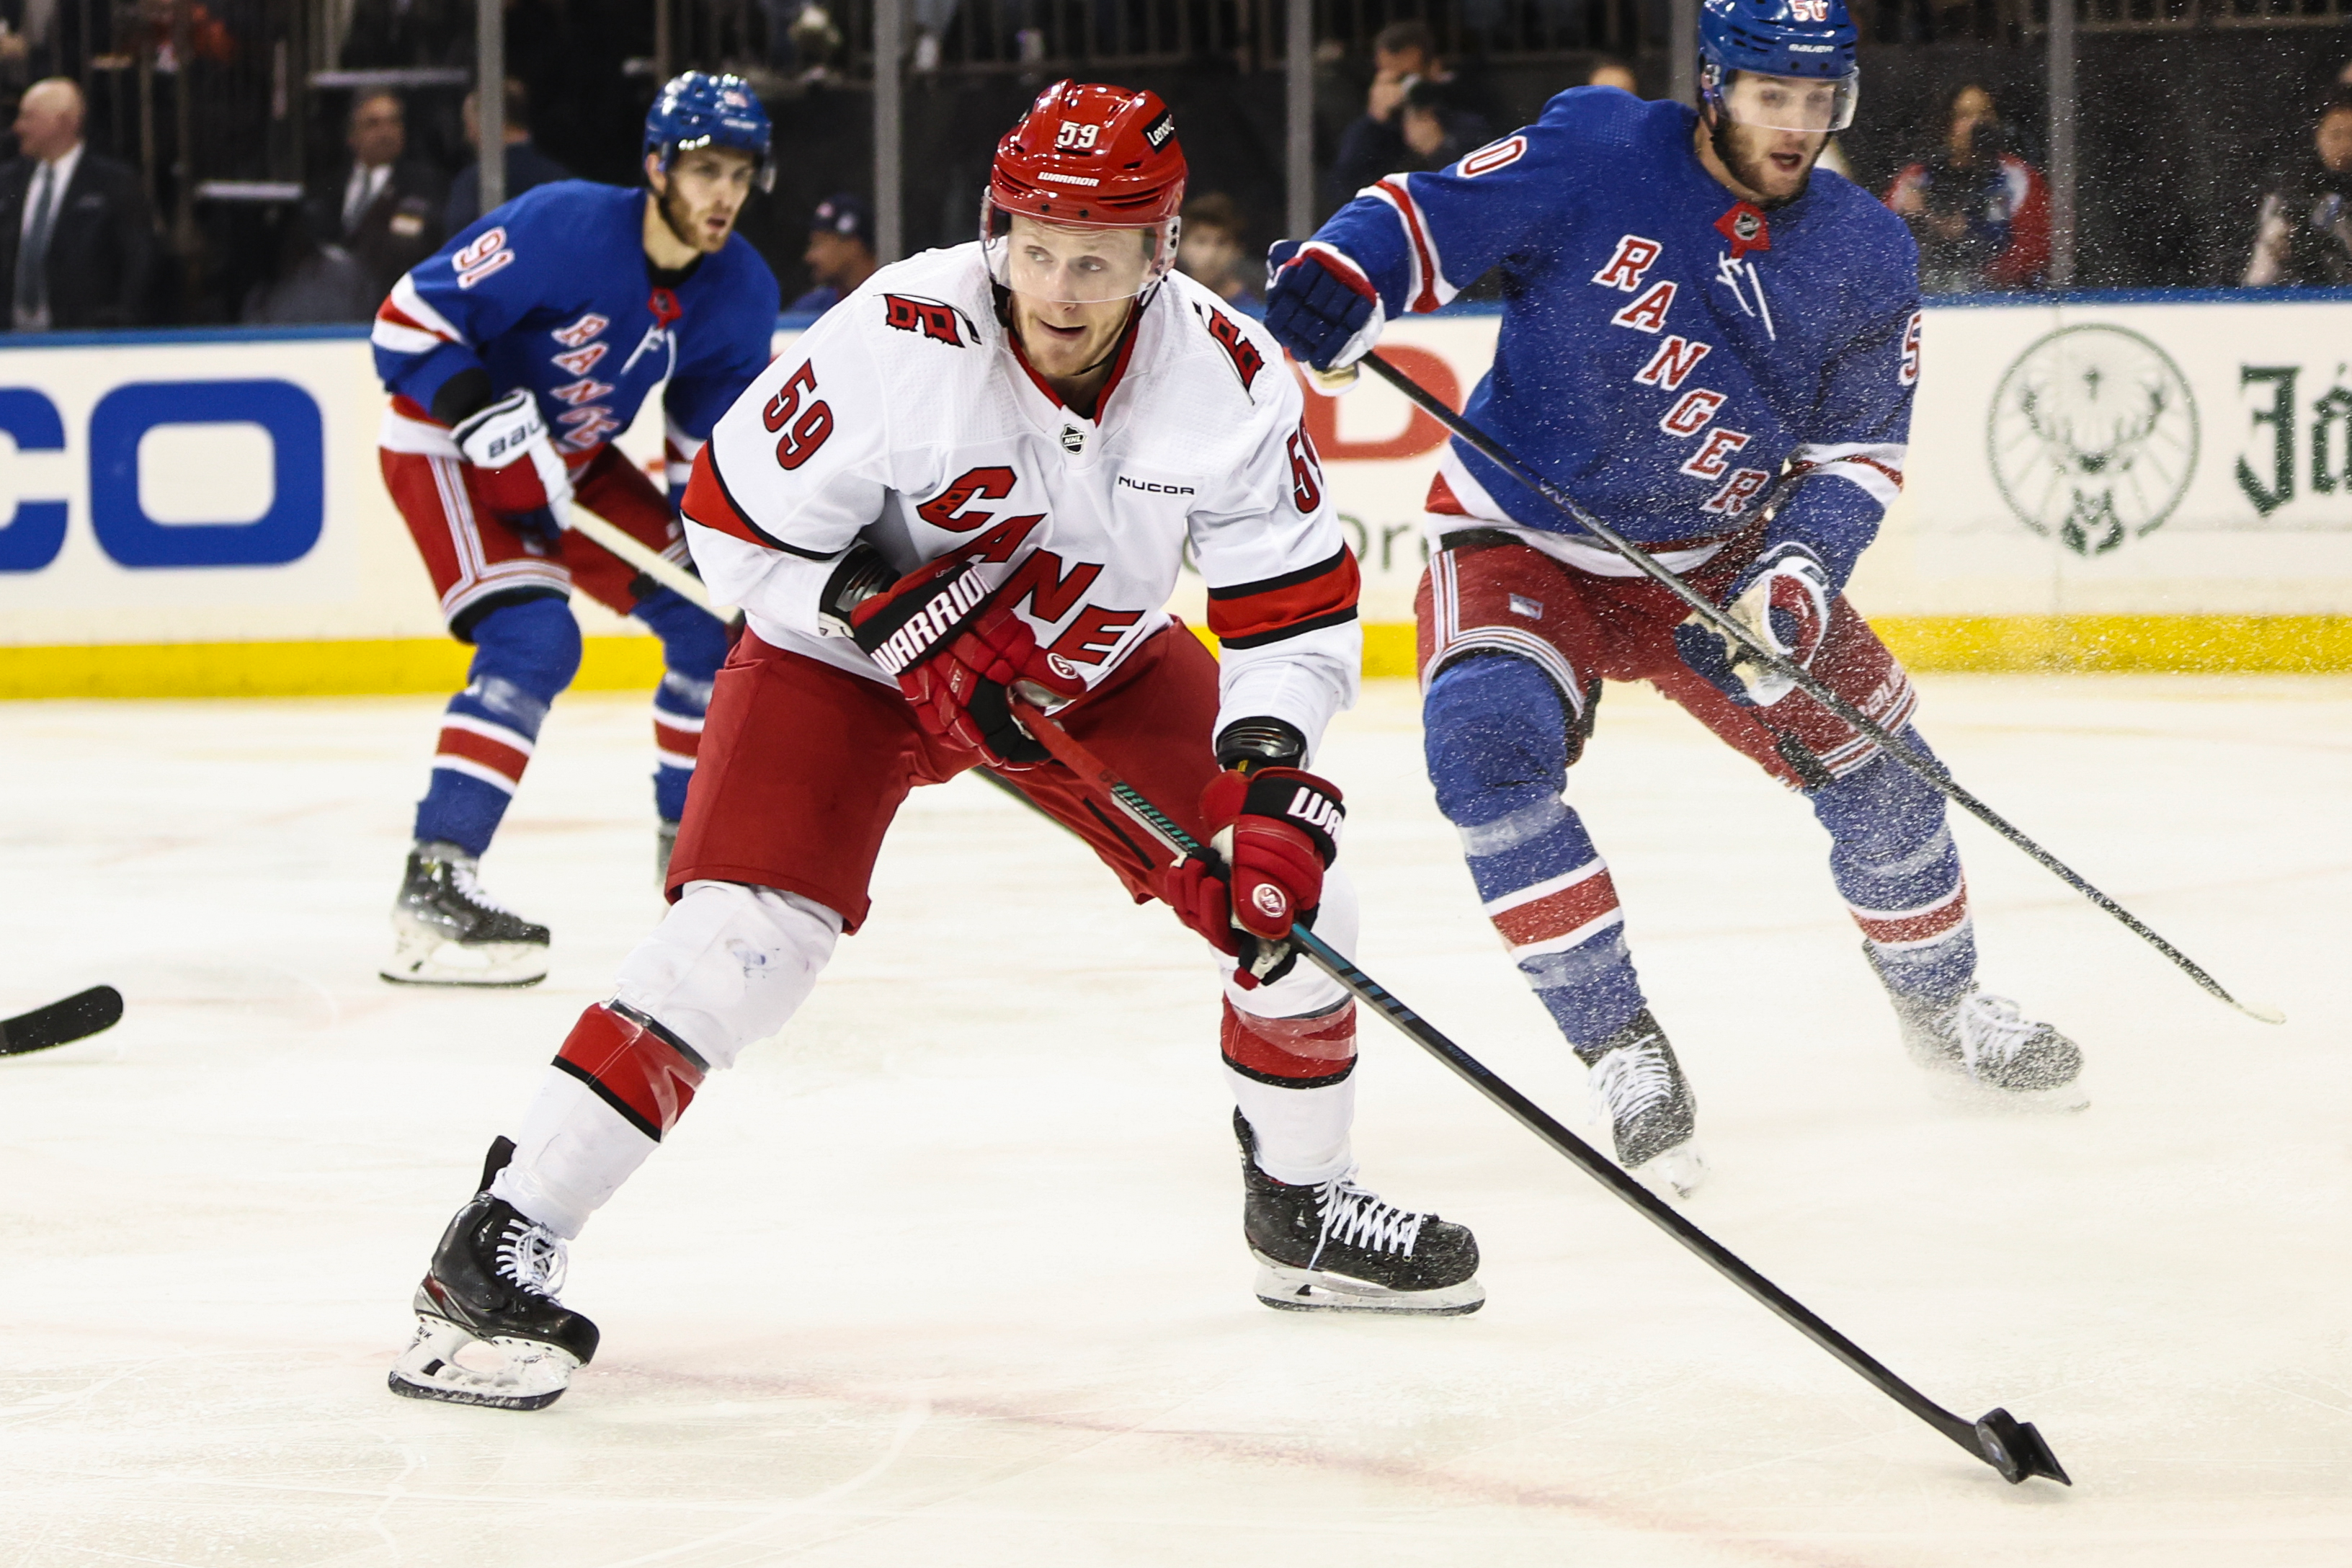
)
(2303, 232)
(77, 245)
(526, 165)
(1211, 252)
(1980, 212)
(1610, 71)
(840, 254)
(381, 207)
(309, 281)
(1409, 122)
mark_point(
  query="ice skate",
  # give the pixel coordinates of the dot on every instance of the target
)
(488, 1328)
(445, 931)
(1333, 1247)
(1985, 1043)
(1638, 1089)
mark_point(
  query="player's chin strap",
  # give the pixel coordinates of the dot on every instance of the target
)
(2009, 1445)
(1768, 658)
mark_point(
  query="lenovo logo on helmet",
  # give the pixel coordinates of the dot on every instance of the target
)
(1159, 130)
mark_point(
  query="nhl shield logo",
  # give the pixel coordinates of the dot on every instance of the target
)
(2093, 437)
(1745, 227)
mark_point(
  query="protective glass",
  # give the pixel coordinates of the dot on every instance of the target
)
(1816, 104)
(1075, 264)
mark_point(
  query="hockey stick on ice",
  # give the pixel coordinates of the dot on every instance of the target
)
(79, 1016)
(637, 553)
(2009, 1445)
(1762, 653)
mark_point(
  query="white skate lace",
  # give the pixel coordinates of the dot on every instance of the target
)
(532, 1257)
(1355, 1217)
(1990, 1030)
(462, 879)
(1631, 1079)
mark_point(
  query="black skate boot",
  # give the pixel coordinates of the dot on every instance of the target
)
(1987, 1043)
(1333, 1247)
(445, 931)
(488, 1328)
(1639, 1090)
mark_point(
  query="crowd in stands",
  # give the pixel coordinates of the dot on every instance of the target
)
(81, 246)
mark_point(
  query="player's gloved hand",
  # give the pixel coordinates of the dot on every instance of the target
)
(1783, 597)
(508, 445)
(1320, 305)
(1275, 830)
(542, 525)
(955, 653)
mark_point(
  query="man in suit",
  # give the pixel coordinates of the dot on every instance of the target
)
(526, 165)
(384, 208)
(76, 246)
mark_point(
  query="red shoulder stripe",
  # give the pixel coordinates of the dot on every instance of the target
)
(707, 503)
(1248, 614)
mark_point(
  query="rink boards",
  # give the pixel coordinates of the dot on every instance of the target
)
(2118, 481)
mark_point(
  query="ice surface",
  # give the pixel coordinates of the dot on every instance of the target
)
(952, 1272)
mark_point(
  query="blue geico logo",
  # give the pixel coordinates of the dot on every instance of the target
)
(31, 538)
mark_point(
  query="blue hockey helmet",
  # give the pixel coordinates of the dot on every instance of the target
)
(697, 109)
(1810, 40)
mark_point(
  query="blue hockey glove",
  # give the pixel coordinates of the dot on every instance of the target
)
(539, 523)
(1320, 305)
(1783, 597)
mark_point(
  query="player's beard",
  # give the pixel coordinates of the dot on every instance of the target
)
(1749, 171)
(681, 223)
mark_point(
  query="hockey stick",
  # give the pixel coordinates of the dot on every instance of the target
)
(1764, 654)
(2009, 1445)
(76, 1017)
(670, 575)
(637, 553)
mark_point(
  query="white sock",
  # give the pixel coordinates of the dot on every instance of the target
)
(1302, 1133)
(571, 1153)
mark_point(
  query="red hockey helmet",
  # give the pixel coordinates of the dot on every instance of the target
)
(1086, 160)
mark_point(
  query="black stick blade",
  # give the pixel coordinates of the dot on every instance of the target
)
(61, 1023)
(2015, 1449)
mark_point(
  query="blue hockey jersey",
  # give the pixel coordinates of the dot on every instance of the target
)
(552, 291)
(1668, 352)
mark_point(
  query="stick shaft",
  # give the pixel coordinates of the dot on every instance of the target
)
(647, 560)
(1805, 680)
(1073, 755)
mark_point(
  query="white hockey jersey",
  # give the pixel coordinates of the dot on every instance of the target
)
(906, 417)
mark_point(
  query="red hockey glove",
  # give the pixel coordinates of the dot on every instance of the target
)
(955, 653)
(517, 468)
(1275, 831)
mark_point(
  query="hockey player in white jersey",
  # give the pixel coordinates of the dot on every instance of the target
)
(980, 471)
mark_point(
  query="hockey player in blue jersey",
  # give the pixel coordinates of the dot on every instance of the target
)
(513, 356)
(1713, 346)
